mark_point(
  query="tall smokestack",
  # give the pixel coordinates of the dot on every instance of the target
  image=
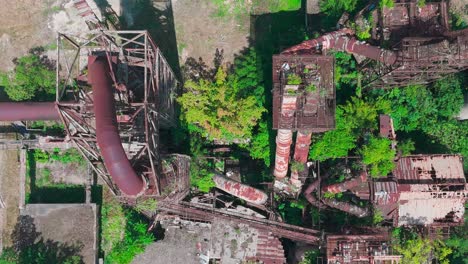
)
(283, 149)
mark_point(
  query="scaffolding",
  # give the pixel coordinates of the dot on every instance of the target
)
(144, 99)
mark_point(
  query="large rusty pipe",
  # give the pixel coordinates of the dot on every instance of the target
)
(245, 192)
(346, 185)
(107, 133)
(30, 111)
(347, 207)
(339, 41)
(309, 196)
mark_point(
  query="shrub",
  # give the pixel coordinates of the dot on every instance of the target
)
(32, 78)
(297, 166)
(294, 79)
(311, 88)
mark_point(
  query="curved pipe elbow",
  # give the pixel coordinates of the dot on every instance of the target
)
(107, 132)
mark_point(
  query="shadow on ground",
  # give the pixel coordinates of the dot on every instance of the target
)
(158, 19)
(30, 247)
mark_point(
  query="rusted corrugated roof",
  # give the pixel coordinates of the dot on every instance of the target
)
(430, 169)
(418, 208)
(361, 249)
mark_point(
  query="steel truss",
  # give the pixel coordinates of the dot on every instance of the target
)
(421, 61)
(144, 98)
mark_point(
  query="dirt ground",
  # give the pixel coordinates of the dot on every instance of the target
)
(9, 191)
(25, 24)
(70, 224)
(70, 173)
(199, 32)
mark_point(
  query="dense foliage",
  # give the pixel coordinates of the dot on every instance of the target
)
(416, 249)
(353, 120)
(337, 7)
(220, 109)
(124, 234)
(378, 156)
(226, 104)
(33, 78)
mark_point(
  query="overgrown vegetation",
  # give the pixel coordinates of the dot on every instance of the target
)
(378, 156)
(32, 79)
(386, 3)
(337, 7)
(124, 233)
(294, 79)
(240, 120)
(219, 109)
(68, 156)
(417, 249)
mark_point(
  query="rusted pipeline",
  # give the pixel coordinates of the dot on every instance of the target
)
(28, 111)
(339, 41)
(309, 196)
(245, 192)
(347, 207)
(313, 44)
(107, 133)
(346, 185)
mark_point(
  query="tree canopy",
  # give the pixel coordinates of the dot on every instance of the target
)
(378, 156)
(218, 110)
(32, 78)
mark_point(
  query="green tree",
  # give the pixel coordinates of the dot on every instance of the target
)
(30, 79)
(386, 3)
(405, 147)
(201, 175)
(337, 7)
(259, 147)
(334, 144)
(248, 76)
(415, 251)
(378, 156)
(217, 110)
(352, 120)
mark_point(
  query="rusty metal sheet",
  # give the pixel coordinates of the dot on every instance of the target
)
(360, 249)
(386, 127)
(245, 192)
(430, 168)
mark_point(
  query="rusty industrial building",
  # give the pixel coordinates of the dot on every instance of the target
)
(113, 114)
(115, 91)
(306, 106)
(355, 249)
(419, 45)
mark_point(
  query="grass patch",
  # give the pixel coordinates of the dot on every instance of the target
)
(124, 233)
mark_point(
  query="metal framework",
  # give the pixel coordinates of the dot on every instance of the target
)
(144, 100)
(421, 61)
